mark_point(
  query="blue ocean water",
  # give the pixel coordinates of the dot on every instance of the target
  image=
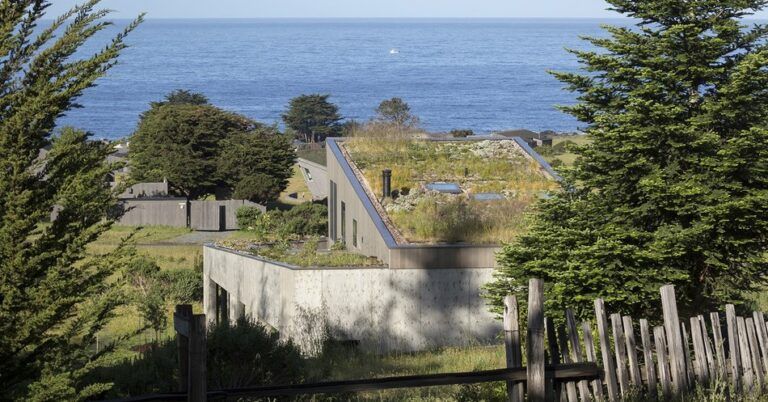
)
(484, 75)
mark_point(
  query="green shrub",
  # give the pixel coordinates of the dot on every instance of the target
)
(303, 220)
(247, 217)
(308, 219)
(249, 354)
(182, 286)
(258, 188)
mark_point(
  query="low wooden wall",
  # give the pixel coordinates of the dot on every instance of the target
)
(152, 212)
(217, 215)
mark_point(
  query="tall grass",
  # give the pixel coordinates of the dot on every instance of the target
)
(477, 166)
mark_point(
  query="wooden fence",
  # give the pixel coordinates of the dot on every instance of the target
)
(570, 362)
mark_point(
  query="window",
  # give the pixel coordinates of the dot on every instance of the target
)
(308, 174)
(343, 222)
(354, 232)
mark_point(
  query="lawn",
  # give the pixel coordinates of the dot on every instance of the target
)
(559, 152)
(424, 216)
(296, 185)
(346, 364)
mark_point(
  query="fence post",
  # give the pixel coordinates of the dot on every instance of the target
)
(609, 366)
(650, 372)
(573, 334)
(619, 347)
(717, 335)
(512, 346)
(661, 355)
(197, 390)
(184, 314)
(675, 340)
(589, 347)
(535, 350)
(734, 354)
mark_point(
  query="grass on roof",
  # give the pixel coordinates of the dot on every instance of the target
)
(477, 166)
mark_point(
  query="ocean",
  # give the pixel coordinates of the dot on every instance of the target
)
(484, 75)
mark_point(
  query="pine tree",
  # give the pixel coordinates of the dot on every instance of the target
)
(53, 298)
(674, 187)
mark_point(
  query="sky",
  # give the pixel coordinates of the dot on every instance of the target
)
(355, 8)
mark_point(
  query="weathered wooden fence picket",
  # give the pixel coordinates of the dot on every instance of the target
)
(562, 363)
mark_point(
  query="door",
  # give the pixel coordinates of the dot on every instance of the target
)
(222, 218)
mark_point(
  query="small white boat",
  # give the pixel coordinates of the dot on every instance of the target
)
(394, 51)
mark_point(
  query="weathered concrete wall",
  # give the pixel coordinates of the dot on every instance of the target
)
(149, 211)
(206, 215)
(384, 309)
(315, 176)
(443, 256)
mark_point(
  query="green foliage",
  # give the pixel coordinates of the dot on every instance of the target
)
(156, 370)
(483, 392)
(248, 217)
(182, 286)
(53, 297)
(249, 354)
(257, 165)
(152, 290)
(313, 118)
(674, 186)
(183, 97)
(182, 143)
(397, 112)
(308, 219)
(304, 254)
(303, 220)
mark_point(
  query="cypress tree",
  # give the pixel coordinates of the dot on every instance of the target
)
(674, 186)
(53, 297)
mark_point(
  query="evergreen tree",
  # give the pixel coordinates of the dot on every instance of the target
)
(257, 165)
(313, 117)
(53, 298)
(674, 187)
(181, 143)
(396, 112)
(183, 97)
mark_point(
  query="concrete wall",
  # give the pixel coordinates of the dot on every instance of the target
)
(384, 309)
(371, 240)
(315, 176)
(443, 256)
(205, 215)
(153, 211)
